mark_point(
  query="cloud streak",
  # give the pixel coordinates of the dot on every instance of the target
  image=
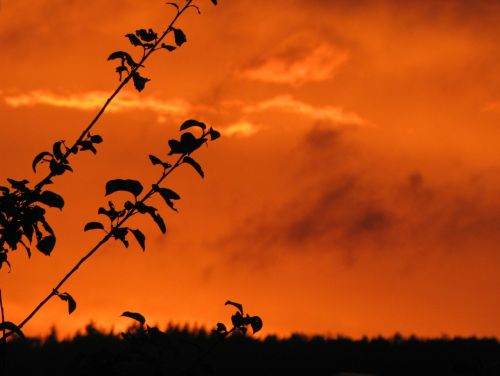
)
(241, 128)
(94, 100)
(298, 66)
(288, 104)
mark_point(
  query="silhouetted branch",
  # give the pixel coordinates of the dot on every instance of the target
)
(183, 158)
(123, 83)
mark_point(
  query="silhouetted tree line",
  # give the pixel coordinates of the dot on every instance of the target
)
(184, 351)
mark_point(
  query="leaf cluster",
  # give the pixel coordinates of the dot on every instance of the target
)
(184, 146)
(240, 322)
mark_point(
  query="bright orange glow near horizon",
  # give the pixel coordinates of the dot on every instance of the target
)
(355, 189)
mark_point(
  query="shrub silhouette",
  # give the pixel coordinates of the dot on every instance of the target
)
(23, 205)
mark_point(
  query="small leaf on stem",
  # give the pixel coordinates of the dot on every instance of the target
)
(67, 298)
(168, 47)
(255, 323)
(134, 40)
(139, 81)
(194, 164)
(93, 226)
(96, 139)
(192, 123)
(57, 150)
(127, 185)
(214, 135)
(141, 239)
(39, 158)
(155, 160)
(135, 316)
(7, 325)
(237, 305)
(46, 244)
(51, 199)
(179, 36)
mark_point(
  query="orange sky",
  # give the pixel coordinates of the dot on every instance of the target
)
(354, 191)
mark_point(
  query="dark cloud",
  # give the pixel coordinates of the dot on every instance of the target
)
(352, 208)
(321, 136)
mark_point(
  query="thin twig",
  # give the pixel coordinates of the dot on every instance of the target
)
(3, 314)
(3, 350)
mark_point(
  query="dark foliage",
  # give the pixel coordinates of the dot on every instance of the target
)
(174, 351)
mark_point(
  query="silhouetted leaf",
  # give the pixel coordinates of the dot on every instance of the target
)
(179, 36)
(168, 195)
(3, 259)
(120, 233)
(214, 135)
(237, 305)
(175, 147)
(190, 143)
(221, 328)
(174, 5)
(159, 221)
(56, 168)
(146, 35)
(139, 81)
(155, 160)
(96, 139)
(135, 316)
(187, 144)
(127, 185)
(195, 165)
(18, 184)
(87, 145)
(93, 226)
(68, 298)
(134, 40)
(237, 319)
(51, 199)
(46, 244)
(39, 158)
(117, 55)
(192, 123)
(7, 325)
(195, 7)
(142, 208)
(124, 56)
(121, 69)
(57, 150)
(141, 239)
(255, 323)
(168, 47)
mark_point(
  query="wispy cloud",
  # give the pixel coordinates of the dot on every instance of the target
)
(95, 99)
(492, 106)
(241, 128)
(287, 103)
(298, 66)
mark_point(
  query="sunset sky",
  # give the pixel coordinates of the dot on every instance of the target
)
(355, 189)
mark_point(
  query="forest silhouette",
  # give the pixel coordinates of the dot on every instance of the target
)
(182, 350)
